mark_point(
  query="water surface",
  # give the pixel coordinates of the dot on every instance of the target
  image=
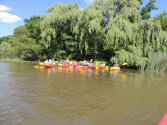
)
(66, 96)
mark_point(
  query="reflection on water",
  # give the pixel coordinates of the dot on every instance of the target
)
(68, 96)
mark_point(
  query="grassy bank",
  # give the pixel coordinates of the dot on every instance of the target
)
(16, 60)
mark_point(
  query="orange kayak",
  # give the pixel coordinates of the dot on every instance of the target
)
(49, 66)
(83, 67)
(65, 65)
(101, 67)
(92, 67)
(80, 67)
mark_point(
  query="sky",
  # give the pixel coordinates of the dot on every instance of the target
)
(13, 12)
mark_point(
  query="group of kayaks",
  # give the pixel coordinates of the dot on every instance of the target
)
(80, 67)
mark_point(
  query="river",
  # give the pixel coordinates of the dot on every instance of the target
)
(65, 96)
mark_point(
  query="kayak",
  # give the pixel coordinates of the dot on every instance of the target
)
(60, 65)
(92, 67)
(49, 66)
(38, 67)
(41, 64)
(83, 67)
(101, 67)
(163, 121)
(107, 68)
(80, 67)
(115, 68)
(65, 65)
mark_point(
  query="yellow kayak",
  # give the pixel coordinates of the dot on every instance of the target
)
(38, 67)
(41, 64)
(107, 68)
(56, 62)
(124, 64)
(60, 65)
(115, 68)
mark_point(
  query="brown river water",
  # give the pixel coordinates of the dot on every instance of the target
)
(65, 96)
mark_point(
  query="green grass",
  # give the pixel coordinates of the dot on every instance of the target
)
(17, 60)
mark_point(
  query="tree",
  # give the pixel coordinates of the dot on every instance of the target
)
(56, 25)
(5, 50)
(163, 20)
(33, 27)
(25, 47)
(7, 39)
(145, 11)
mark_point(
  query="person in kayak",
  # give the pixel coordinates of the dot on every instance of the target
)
(53, 62)
(91, 63)
(116, 64)
(67, 60)
(50, 61)
(103, 64)
(46, 61)
(60, 61)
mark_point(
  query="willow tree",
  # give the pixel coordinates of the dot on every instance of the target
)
(123, 21)
(145, 11)
(57, 26)
(90, 29)
(126, 36)
(163, 20)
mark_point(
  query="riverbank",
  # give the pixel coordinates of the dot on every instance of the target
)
(16, 60)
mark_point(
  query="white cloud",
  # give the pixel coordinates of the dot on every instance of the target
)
(88, 1)
(6, 17)
(4, 8)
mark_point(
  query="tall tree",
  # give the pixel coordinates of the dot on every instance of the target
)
(25, 47)
(56, 25)
(145, 11)
(33, 27)
(163, 20)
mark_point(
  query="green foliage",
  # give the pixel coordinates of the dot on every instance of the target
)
(57, 23)
(163, 20)
(157, 61)
(140, 1)
(25, 47)
(133, 58)
(145, 11)
(7, 39)
(6, 50)
(33, 27)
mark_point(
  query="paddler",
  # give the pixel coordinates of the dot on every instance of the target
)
(50, 61)
(116, 64)
(53, 62)
(46, 61)
(103, 64)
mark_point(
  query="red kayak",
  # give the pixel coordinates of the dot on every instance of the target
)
(163, 120)
(92, 67)
(65, 65)
(83, 67)
(49, 66)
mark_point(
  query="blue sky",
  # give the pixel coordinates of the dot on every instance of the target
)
(13, 12)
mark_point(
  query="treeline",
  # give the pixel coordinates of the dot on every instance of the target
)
(109, 30)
